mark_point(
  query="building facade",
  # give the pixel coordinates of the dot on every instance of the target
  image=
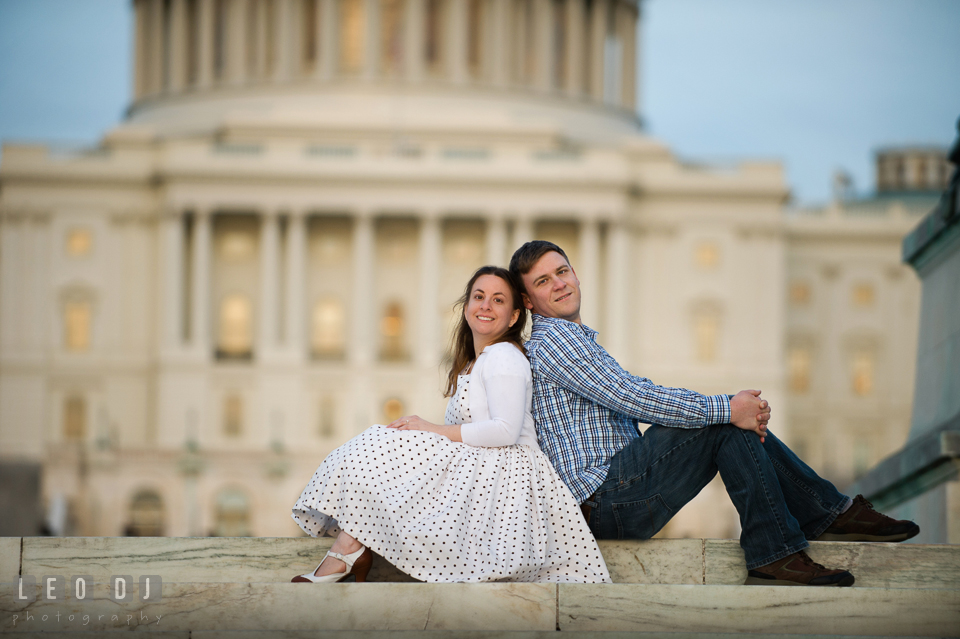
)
(261, 260)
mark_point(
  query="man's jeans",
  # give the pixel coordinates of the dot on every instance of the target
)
(782, 502)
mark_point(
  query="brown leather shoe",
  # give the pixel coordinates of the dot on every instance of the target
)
(797, 570)
(862, 523)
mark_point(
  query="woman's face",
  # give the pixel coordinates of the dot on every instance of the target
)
(489, 310)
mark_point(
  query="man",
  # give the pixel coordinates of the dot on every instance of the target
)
(587, 408)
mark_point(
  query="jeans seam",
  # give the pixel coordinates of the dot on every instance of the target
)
(834, 511)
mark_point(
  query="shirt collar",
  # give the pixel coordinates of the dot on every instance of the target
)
(541, 324)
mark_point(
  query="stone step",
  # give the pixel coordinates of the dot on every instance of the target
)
(423, 634)
(576, 608)
(278, 559)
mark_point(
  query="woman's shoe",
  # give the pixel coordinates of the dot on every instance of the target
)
(358, 564)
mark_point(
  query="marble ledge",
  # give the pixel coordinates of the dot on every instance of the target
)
(289, 606)
(9, 558)
(727, 609)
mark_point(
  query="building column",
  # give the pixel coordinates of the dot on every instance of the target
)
(205, 44)
(414, 36)
(200, 285)
(295, 290)
(588, 271)
(428, 351)
(598, 40)
(177, 54)
(502, 45)
(173, 271)
(616, 306)
(286, 41)
(326, 39)
(575, 49)
(457, 43)
(156, 51)
(522, 231)
(269, 284)
(361, 339)
(371, 39)
(236, 44)
(496, 240)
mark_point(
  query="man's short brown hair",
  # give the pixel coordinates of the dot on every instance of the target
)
(527, 255)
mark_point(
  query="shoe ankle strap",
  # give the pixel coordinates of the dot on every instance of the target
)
(347, 559)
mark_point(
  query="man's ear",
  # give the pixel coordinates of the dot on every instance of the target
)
(526, 302)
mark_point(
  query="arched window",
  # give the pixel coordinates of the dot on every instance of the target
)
(79, 242)
(327, 334)
(707, 255)
(706, 331)
(74, 418)
(392, 330)
(798, 365)
(233, 415)
(351, 35)
(236, 334)
(326, 426)
(862, 369)
(146, 515)
(232, 514)
(77, 323)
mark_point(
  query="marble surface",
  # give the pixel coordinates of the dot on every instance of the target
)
(736, 609)
(654, 561)
(873, 565)
(252, 606)
(187, 559)
(9, 559)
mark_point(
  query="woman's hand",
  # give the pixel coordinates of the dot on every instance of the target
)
(415, 422)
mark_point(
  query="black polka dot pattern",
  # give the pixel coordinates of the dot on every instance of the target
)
(444, 511)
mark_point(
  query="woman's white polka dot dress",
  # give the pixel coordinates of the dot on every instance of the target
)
(445, 511)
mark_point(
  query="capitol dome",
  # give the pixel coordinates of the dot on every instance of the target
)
(566, 65)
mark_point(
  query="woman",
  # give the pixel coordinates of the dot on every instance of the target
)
(473, 499)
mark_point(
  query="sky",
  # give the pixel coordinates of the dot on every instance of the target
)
(816, 84)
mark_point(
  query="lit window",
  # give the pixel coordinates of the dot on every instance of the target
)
(327, 427)
(707, 255)
(74, 418)
(707, 332)
(798, 365)
(392, 409)
(77, 315)
(233, 514)
(237, 246)
(328, 328)
(351, 35)
(391, 36)
(392, 332)
(146, 515)
(862, 368)
(236, 335)
(799, 293)
(232, 416)
(79, 242)
(863, 295)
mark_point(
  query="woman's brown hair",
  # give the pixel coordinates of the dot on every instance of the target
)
(462, 342)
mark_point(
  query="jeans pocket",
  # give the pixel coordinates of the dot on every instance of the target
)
(641, 519)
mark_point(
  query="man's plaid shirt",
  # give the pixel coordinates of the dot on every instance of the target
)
(587, 407)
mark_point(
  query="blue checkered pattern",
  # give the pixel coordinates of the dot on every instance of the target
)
(587, 407)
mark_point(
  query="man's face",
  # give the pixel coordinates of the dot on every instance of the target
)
(552, 288)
